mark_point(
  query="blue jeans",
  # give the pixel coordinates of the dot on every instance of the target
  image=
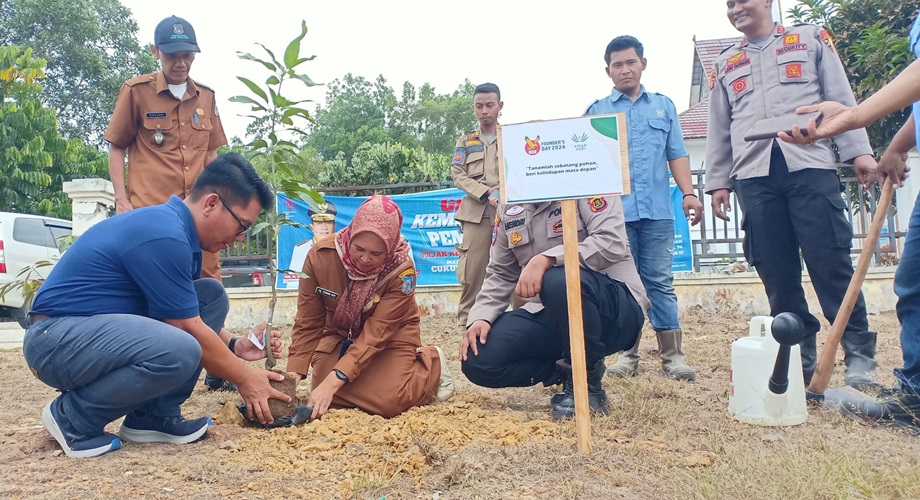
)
(652, 245)
(110, 365)
(907, 288)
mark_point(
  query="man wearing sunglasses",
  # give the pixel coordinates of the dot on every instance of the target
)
(124, 323)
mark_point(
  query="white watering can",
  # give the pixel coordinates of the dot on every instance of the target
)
(762, 390)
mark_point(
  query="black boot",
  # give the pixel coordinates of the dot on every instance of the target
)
(859, 356)
(597, 397)
(218, 384)
(809, 349)
(564, 402)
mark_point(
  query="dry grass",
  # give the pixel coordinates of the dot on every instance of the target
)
(663, 439)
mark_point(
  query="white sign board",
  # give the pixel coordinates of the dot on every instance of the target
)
(570, 158)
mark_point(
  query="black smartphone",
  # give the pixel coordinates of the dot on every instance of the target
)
(769, 127)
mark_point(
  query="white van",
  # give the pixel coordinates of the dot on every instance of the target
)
(25, 240)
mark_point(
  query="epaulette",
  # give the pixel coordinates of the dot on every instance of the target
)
(659, 94)
(150, 77)
(203, 85)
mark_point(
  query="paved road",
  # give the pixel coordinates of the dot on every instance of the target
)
(11, 335)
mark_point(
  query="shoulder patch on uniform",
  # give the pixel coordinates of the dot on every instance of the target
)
(597, 204)
(514, 210)
(515, 238)
(826, 38)
(459, 156)
(408, 281)
(712, 78)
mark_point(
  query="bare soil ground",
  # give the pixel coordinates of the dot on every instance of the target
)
(662, 439)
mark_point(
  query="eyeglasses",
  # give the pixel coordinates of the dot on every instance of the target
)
(243, 225)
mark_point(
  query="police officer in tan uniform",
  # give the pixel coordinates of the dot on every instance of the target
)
(790, 194)
(531, 344)
(475, 170)
(169, 126)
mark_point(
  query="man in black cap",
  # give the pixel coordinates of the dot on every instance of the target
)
(169, 126)
(322, 223)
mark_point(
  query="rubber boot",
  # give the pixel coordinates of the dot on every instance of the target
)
(627, 363)
(673, 363)
(809, 348)
(859, 356)
(597, 397)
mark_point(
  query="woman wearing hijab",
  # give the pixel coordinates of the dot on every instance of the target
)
(357, 322)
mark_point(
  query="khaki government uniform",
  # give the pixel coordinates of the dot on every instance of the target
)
(387, 368)
(474, 169)
(156, 172)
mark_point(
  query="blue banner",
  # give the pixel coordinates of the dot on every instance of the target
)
(430, 229)
(683, 248)
(428, 226)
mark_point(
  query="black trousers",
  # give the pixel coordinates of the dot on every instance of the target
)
(791, 211)
(522, 348)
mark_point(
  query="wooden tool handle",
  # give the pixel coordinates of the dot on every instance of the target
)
(822, 376)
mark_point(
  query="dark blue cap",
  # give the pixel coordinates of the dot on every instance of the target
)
(175, 34)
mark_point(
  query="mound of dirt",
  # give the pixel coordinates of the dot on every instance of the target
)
(353, 443)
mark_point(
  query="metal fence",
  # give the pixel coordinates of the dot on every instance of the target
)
(717, 243)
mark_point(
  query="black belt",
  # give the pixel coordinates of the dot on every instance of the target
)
(36, 317)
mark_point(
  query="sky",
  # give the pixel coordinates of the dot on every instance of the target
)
(546, 56)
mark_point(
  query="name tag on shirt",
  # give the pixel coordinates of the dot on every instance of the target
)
(327, 293)
(160, 114)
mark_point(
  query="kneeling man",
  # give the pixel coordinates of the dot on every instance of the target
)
(124, 323)
(531, 344)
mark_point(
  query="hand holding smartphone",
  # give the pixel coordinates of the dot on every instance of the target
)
(768, 128)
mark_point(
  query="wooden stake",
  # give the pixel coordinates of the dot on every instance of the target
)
(576, 324)
(501, 163)
(822, 376)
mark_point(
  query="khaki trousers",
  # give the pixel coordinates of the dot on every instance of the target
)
(474, 257)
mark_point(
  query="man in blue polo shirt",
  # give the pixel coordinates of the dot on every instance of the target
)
(656, 145)
(123, 324)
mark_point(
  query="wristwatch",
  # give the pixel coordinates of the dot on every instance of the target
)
(232, 344)
(341, 376)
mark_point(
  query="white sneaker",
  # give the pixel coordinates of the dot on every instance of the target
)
(446, 383)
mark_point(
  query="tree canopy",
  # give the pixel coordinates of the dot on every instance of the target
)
(358, 111)
(91, 48)
(36, 160)
(871, 39)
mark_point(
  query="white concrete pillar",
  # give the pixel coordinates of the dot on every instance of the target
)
(92, 199)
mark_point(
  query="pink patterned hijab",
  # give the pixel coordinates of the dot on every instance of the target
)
(381, 216)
